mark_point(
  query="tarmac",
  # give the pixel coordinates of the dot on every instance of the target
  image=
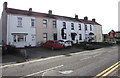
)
(36, 53)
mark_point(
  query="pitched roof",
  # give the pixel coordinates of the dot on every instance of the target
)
(90, 22)
(38, 14)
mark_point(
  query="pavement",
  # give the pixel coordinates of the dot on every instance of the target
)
(37, 53)
(84, 63)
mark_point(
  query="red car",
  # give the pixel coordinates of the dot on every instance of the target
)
(53, 44)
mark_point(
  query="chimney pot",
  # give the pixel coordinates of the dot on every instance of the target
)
(50, 12)
(93, 20)
(76, 16)
(30, 9)
(86, 18)
(5, 5)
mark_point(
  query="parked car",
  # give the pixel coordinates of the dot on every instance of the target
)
(66, 43)
(53, 44)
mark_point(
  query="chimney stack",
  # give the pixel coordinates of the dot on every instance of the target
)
(5, 5)
(93, 20)
(30, 9)
(76, 16)
(86, 18)
(50, 12)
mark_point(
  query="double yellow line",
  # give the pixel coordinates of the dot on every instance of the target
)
(108, 70)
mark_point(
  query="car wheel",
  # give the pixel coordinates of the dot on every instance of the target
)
(64, 46)
(52, 48)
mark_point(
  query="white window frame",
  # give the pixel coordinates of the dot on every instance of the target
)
(19, 21)
(44, 23)
(32, 22)
(45, 36)
(54, 24)
(72, 26)
(80, 27)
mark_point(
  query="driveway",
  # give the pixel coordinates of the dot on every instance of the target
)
(37, 53)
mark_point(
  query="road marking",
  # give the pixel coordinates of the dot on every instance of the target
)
(33, 61)
(106, 72)
(38, 60)
(79, 52)
(113, 73)
(85, 58)
(66, 72)
(44, 70)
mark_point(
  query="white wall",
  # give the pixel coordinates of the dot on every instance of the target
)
(0, 30)
(68, 30)
(98, 33)
(12, 24)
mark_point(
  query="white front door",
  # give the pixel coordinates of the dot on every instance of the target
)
(33, 41)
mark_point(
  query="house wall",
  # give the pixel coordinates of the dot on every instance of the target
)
(12, 24)
(68, 30)
(0, 30)
(4, 26)
(40, 29)
(98, 33)
(88, 31)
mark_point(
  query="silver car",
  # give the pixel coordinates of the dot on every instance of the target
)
(66, 43)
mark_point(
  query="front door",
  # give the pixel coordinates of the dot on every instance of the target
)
(55, 36)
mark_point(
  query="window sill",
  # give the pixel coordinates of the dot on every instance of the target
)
(19, 26)
(32, 26)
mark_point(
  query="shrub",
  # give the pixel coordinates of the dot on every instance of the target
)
(9, 49)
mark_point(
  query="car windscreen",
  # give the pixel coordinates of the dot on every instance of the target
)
(57, 42)
(61, 40)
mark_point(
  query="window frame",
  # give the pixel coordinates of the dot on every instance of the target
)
(19, 21)
(90, 27)
(64, 25)
(80, 27)
(80, 36)
(44, 23)
(54, 24)
(32, 22)
(45, 37)
(85, 27)
(72, 26)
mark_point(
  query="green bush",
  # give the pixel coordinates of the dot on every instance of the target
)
(9, 49)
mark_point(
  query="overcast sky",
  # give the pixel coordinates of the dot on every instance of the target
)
(104, 11)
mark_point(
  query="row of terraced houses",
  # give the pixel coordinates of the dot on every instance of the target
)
(28, 28)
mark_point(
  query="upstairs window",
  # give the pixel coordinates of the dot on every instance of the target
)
(85, 27)
(72, 26)
(19, 21)
(44, 23)
(64, 25)
(54, 24)
(79, 26)
(32, 22)
(90, 27)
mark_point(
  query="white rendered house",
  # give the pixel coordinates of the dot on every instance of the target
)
(21, 30)
(70, 29)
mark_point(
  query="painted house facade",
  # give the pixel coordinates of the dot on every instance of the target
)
(18, 29)
(28, 28)
(46, 28)
(70, 29)
(21, 30)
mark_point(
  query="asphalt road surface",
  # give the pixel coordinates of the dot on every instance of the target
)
(86, 63)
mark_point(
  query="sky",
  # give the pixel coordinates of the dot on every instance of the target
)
(104, 11)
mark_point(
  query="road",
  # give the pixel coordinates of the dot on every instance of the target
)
(86, 63)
